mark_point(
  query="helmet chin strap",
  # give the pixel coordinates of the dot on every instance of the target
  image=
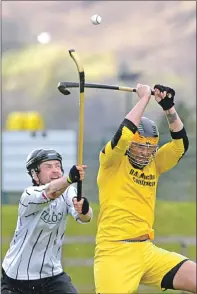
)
(34, 172)
(136, 166)
(40, 184)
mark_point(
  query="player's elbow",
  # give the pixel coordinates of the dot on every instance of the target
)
(181, 141)
(186, 144)
(185, 141)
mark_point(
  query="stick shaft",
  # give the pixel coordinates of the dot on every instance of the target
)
(80, 68)
(65, 85)
(81, 129)
(98, 86)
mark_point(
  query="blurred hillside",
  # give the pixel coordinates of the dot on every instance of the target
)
(155, 38)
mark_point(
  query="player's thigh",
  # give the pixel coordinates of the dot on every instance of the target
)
(184, 276)
(61, 284)
(6, 288)
(6, 291)
(159, 263)
(117, 273)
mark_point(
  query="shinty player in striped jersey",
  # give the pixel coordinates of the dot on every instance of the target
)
(130, 166)
(33, 262)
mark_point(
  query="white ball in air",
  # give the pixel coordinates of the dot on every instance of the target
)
(96, 19)
(44, 38)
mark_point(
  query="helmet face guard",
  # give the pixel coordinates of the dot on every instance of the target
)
(144, 144)
(141, 154)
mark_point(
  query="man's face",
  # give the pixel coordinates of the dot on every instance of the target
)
(141, 154)
(49, 171)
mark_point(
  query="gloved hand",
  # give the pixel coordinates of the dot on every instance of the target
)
(82, 206)
(76, 174)
(164, 96)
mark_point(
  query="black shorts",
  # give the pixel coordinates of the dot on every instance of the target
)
(60, 284)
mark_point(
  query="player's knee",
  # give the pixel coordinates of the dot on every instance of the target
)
(185, 279)
(175, 280)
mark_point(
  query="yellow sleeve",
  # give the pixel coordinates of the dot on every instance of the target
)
(169, 154)
(115, 149)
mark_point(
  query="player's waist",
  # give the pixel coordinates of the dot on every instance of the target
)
(141, 238)
(129, 223)
(134, 235)
(32, 276)
(29, 283)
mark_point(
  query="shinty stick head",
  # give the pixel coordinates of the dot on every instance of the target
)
(63, 89)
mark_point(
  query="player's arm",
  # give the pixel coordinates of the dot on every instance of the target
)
(35, 198)
(170, 154)
(80, 210)
(55, 188)
(115, 149)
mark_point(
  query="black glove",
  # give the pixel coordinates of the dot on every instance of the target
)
(85, 206)
(168, 101)
(74, 175)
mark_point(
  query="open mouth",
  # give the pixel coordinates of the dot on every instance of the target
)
(139, 160)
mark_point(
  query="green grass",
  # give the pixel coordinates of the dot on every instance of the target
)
(76, 274)
(78, 250)
(74, 229)
(171, 218)
(4, 248)
(190, 251)
(175, 218)
(83, 279)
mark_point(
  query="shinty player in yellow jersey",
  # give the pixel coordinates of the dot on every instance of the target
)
(130, 166)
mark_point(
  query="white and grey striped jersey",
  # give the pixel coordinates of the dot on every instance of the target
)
(35, 250)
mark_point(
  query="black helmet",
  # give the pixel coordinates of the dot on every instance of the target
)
(36, 157)
(146, 139)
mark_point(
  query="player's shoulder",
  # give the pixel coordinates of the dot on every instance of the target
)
(32, 189)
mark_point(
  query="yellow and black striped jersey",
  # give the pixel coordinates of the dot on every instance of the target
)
(127, 195)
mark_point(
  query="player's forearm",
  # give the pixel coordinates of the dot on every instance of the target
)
(174, 121)
(87, 217)
(56, 187)
(136, 113)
